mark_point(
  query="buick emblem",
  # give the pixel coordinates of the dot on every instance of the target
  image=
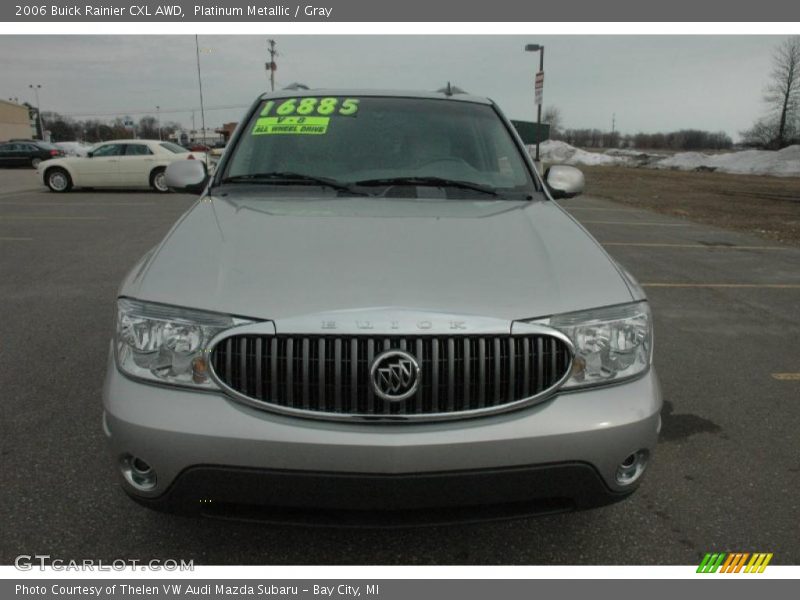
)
(395, 375)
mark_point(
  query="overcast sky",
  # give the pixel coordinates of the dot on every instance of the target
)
(652, 83)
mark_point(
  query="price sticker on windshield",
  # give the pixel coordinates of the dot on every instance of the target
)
(345, 107)
(291, 126)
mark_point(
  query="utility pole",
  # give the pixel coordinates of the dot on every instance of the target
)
(200, 86)
(271, 65)
(36, 87)
(158, 118)
(613, 122)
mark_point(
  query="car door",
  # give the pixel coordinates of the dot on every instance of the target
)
(101, 169)
(16, 155)
(135, 165)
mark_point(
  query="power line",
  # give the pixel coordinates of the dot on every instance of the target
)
(144, 111)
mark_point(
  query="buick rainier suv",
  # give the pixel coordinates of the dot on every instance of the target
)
(377, 311)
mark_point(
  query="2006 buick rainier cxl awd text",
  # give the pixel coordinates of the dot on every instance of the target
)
(376, 310)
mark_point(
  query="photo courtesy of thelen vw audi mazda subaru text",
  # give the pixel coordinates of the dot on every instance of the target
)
(377, 310)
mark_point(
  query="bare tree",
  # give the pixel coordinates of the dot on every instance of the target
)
(782, 96)
(784, 91)
(552, 116)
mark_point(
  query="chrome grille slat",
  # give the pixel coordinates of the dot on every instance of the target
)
(526, 377)
(368, 385)
(321, 365)
(451, 374)
(511, 369)
(481, 373)
(497, 368)
(419, 352)
(337, 375)
(329, 375)
(258, 376)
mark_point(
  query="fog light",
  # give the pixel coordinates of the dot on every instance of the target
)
(138, 473)
(632, 467)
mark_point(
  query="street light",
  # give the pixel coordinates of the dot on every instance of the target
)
(540, 49)
(36, 89)
(158, 120)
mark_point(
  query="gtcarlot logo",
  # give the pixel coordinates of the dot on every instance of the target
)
(28, 562)
(734, 562)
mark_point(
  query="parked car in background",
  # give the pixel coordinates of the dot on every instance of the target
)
(24, 153)
(74, 148)
(119, 163)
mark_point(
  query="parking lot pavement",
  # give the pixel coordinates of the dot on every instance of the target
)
(16, 181)
(725, 476)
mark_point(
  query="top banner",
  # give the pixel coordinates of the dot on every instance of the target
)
(407, 11)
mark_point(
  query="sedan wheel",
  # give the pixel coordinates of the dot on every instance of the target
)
(58, 180)
(159, 181)
(35, 162)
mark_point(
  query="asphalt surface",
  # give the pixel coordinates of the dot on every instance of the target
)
(726, 475)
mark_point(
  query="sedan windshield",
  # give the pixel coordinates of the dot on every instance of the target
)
(381, 146)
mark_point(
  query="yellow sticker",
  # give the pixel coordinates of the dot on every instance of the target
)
(291, 126)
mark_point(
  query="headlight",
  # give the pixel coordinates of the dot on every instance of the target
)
(611, 344)
(166, 344)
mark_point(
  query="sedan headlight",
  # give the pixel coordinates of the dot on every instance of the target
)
(611, 344)
(166, 344)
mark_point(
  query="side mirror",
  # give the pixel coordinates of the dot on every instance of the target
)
(89, 154)
(564, 181)
(187, 176)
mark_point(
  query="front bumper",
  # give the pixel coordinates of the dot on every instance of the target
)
(209, 451)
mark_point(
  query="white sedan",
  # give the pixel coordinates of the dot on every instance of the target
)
(120, 163)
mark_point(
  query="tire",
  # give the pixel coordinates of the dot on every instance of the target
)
(158, 180)
(35, 162)
(58, 180)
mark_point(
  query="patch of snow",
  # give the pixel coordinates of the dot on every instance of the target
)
(781, 163)
(553, 151)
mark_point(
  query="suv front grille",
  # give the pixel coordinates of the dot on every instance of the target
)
(329, 376)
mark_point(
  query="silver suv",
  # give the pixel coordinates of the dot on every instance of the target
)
(377, 310)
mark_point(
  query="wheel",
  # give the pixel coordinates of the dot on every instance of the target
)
(58, 180)
(35, 162)
(158, 180)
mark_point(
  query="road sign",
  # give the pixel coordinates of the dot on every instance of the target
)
(539, 87)
(532, 133)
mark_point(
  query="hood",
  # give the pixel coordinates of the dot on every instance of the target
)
(278, 259)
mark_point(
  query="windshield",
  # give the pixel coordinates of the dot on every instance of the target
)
(173, 147)
(382, 146)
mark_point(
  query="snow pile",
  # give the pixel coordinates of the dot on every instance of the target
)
(782, 163)
(553, 151)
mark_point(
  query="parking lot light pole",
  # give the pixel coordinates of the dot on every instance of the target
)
(36, 89)
(158, 120)
(540, 49)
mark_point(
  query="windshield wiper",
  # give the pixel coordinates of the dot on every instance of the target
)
(291, 178)
(428, 181)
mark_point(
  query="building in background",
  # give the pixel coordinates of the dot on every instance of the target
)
(17, 121)
(226, 131)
